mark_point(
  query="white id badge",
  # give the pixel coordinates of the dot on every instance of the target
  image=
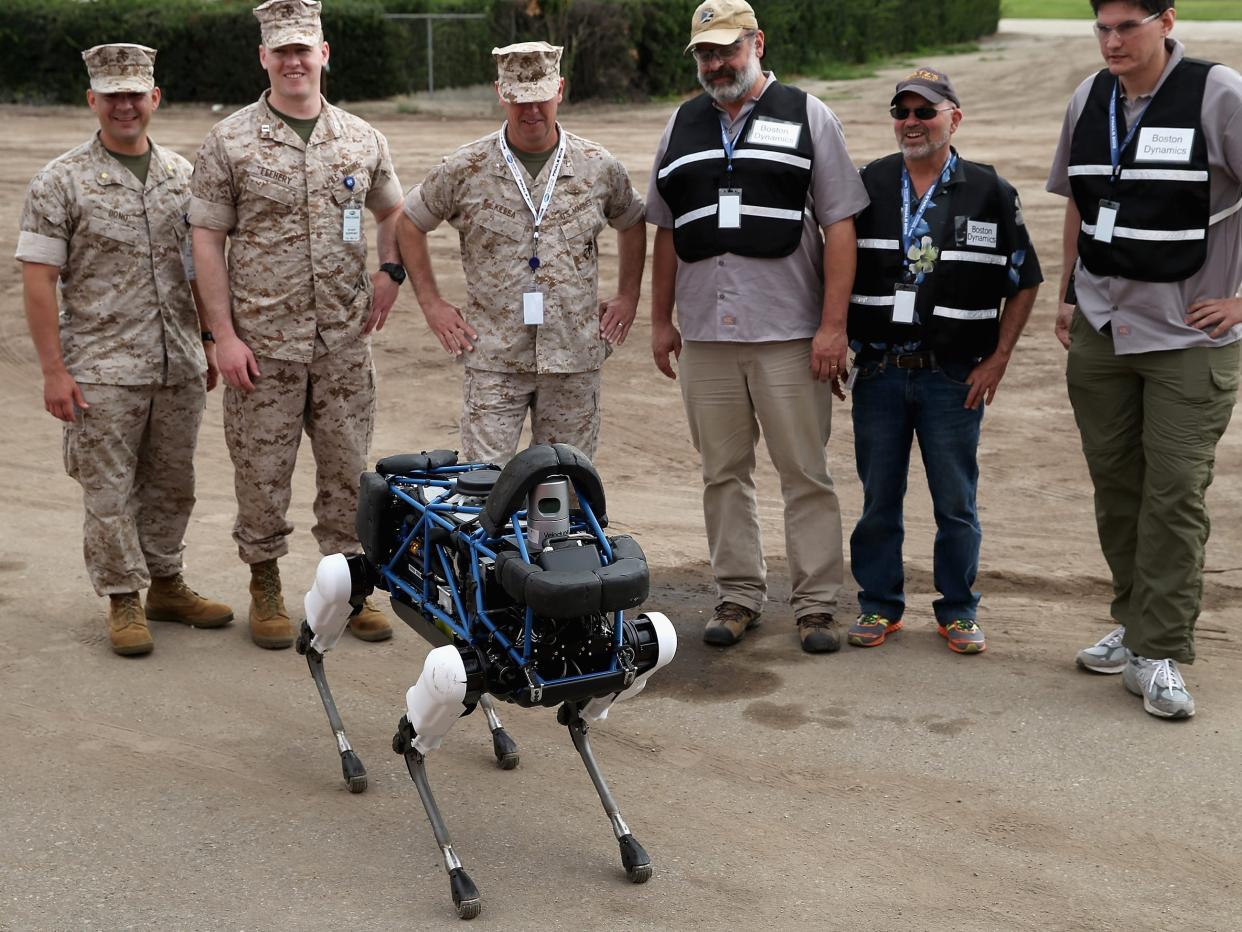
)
(351, 226)
(532, 307)
(851, 379)
(1106, 221)
(903, 304)
(729, 209)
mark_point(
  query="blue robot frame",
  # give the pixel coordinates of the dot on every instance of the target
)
(526, 604)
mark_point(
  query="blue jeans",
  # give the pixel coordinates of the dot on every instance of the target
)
(890, 407)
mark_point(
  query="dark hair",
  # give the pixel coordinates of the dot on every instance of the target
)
(1150, 6)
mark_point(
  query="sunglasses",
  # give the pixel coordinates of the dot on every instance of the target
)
(1123, 30)
(920, 113)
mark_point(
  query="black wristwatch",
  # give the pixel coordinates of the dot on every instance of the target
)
(395, 270)
(208, 337)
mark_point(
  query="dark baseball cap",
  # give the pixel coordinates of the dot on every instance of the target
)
(932, 85)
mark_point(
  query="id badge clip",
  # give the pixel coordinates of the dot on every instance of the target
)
(729, 209)
(532, 307)
(903, 304)
(1106, 221)
(351, 223)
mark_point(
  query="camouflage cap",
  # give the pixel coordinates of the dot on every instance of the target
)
(932, 85)
(721, 22)
(120, 68)
(528, 72)
(289, 22)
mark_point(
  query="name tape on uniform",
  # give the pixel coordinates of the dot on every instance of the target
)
(981, 234)
(1156, 144)
(779, 133)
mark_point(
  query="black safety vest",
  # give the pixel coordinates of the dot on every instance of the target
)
(773, 178)
(1161, 227)
(957, 309)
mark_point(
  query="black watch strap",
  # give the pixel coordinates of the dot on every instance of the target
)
(395, 270)
(208, 337)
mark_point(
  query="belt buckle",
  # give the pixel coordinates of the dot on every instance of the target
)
(910, 361)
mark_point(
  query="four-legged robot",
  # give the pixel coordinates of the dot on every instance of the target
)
(524, 596)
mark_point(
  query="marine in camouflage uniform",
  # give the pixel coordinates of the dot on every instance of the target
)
(284, 181)
(122, 359)
(512, 365)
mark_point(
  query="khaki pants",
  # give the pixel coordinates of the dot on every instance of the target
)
(1150, 423)
(732, 392)
(132, 451)
(333, 400)
(564, 408)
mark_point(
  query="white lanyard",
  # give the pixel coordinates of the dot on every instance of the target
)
(553, 173)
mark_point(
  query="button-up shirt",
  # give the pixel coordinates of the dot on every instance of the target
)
(127, 315)
(293, 276)
(1147, 316)
(474, 191)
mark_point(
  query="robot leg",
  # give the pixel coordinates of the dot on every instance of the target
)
(648, 624)
(503, 746)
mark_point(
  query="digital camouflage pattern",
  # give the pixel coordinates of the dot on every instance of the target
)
(257, 180)
(333, 399)
(528, 72)
(132, 451)
(473, 190)
(289, 22)
(127, 316)
(120, 68)
(564, 409)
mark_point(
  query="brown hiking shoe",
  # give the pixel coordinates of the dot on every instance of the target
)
(729, 623)
(170, 599)
(819, 633)
(127, 626)
(269, 622)
(370, 624)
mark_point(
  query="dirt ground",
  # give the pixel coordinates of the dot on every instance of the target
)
(899, 788)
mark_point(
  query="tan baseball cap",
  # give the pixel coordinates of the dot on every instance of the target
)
(528, 72)
(721, 22)
(932, 85)
(289, 22)
(120, 68)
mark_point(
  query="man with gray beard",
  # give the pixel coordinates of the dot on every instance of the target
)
(941, 247)
(753, 195)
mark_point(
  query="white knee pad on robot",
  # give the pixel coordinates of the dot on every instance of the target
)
(666, 637)
(327, 602)
(436, 701)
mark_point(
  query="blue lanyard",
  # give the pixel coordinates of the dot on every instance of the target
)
(1114, 150)
(908, 223)
(728, 145)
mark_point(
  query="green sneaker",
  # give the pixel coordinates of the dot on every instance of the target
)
(964, 636)
(870, 630)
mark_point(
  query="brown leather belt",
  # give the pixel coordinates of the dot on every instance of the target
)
(922, 360)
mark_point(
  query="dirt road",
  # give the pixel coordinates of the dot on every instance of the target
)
(902, 788)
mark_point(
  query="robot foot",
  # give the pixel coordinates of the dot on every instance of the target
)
(351, 766)
(634, 859)
(465, 894)
(503, 746)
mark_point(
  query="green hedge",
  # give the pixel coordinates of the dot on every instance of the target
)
(614, 49)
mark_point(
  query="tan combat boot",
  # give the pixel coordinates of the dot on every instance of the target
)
(269, 622)
(370, 624)
(127, 626)
(170, 599)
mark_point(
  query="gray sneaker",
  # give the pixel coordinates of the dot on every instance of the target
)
(1107, 655)
(1161, 686)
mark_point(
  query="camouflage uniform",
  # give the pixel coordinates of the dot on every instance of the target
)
(473, 190)
(300, 298)
(129, 333)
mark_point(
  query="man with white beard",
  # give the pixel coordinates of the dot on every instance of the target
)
(946, 281)
(753, 195)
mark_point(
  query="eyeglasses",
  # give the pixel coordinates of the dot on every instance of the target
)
(1123, 30)
(920, 113)
(721, 53)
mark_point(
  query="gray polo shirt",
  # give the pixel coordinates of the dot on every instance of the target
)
(1149, 316)
(730, 298)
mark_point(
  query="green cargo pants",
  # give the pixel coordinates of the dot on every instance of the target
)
(1150, 423)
